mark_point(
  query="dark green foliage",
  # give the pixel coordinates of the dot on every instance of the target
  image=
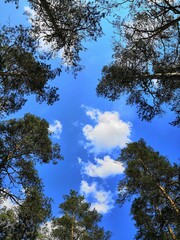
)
(66, 25)
(23, 221)
(24, 218)
(78, 221)
(146, 63)
(24, 142)
(22, 70)
(62, 25)
(35, 210)
(7, 221)
(154, 185)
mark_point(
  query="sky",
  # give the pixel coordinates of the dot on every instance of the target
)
(92, 131)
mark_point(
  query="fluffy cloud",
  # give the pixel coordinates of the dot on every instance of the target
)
(108, 132)
(103, 200)
(56, 129)
(102, 168)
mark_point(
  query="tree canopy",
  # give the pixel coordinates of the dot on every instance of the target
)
(154, 185)
(146, 63)
(146, 66)
(78, 220)
(24, 142)
(23, 70)
(23, 221)
(65, 25)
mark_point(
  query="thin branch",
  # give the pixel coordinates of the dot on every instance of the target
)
(11, 196)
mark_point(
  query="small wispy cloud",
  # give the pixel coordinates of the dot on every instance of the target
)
(108, 132)
(56, 129)
(102, 200)
(79, 160)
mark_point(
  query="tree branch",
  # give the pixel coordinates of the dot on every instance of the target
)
(11, 196)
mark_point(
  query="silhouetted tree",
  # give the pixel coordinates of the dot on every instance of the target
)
(146, 63)
(66, 25)
(23, 221)
(23, 143)
(22, 70)
(154, 185)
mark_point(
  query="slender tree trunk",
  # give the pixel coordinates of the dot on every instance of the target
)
(10, 74)
(172, 203)
(168, 226)
(72, 229)
(169, 199)
(171, 233)
(173, 75)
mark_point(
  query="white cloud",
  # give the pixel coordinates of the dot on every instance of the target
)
(103, 201)
(56, 129)
(108, 132)
(86, 188)
(102, 168)
(46, 230)
(30, 12)
(8, 203)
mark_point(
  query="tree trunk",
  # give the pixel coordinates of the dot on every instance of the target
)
(172, 203)
(168, 226)
(171, 233)
(173, 75)
(72, 229)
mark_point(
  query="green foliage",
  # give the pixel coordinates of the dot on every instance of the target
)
(24, 142)
(146, 63)
(62, 25)
(66, 25)
(7, 221)
(22, 71)
(154, 184)
(23, 221)
(35, 210)
(78, 221)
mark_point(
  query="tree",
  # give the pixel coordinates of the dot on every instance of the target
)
(22, 70)
(78, 221)
(23, 221)
(146, 63)
(62, 25)
(66, 25)
(23, 143)
(34, 211)
(7, 221)
(154, 184)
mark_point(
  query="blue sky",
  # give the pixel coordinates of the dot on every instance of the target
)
(92, 131)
